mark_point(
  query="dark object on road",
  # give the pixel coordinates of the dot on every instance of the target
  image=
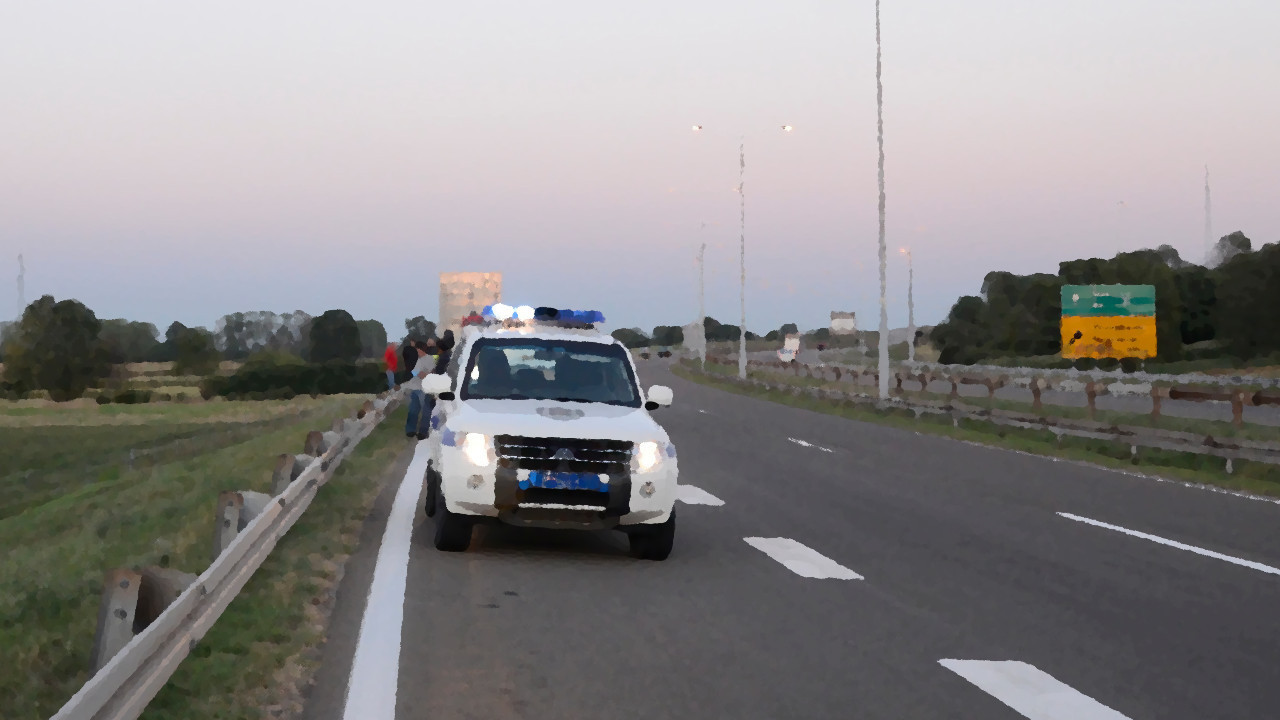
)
(664, 353)
(644, 355)
(822, 346)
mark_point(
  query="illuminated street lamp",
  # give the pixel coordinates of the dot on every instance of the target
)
(911, 310)
(742, 251)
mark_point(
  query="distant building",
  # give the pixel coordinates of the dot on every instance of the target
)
(465, 294)
(843, 323)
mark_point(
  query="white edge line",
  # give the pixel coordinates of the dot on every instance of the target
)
(375, 667)
(1175, 544)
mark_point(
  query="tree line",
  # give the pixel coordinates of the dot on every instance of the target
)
(63, 347)
(716, 331)
(1223, 309)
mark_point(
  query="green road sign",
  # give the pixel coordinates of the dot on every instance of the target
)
(1108, 300)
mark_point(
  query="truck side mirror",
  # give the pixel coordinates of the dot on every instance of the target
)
(659, 396)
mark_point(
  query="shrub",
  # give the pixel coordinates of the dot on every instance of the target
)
(264, 378)
(132, 397)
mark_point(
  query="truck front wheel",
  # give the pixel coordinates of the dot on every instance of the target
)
(653, 542)
(453, 531)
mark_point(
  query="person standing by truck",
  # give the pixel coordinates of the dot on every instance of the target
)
(417, 399)
(391, 359)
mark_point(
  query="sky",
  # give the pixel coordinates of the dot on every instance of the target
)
(166, 161)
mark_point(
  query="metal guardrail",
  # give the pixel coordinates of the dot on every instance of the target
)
(1037, 381)
(123, 687)
(1230, 381)
(1135, 436)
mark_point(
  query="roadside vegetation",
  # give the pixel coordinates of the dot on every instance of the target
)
(260, 656)
(1252, 477)
(75, 502)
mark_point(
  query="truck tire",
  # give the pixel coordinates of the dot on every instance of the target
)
(453, 531)
(654, 543)
(433, 492)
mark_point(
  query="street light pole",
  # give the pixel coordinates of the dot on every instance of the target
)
(911, 310)
(742, 260)
(742, 251)
(884, 311)
(702, 303)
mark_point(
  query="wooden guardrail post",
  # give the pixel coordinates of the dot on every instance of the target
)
(236, 509)
(158, 589)
(1091, 392)
(1237, 408)
(227, 521)
(955, 387)
(115, 616)
(1036, 387)
(1157, 394)
(288, 468)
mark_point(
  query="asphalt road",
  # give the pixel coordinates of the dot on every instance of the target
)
(960, 590)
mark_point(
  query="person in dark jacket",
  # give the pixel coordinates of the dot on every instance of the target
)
(408, 351)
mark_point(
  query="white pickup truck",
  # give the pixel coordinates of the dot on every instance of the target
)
(540, 422)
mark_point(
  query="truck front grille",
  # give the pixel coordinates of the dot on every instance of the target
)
(612, 457)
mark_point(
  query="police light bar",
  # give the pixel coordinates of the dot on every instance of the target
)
(502, 312)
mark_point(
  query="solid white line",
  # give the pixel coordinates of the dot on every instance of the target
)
(375, 671)
(802, 560)
(1176, 544)
(696, 496)
(1035, 694)
(802, 443)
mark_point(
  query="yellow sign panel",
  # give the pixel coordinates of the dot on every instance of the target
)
(1109, 337)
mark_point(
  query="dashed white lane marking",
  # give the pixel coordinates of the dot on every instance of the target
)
(704, 412)
(1176, 544)
(696, 496)
(1035, 694)
(802, 443)
(802, 560)
(371, 691)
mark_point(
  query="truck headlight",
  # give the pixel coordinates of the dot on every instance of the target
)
(476, 447)
(646, 456)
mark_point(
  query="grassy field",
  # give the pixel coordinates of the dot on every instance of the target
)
(258, 658)
(73, 506)
(1253, 477)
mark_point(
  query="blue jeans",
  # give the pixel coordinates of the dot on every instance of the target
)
(420, 408)
(391, 379)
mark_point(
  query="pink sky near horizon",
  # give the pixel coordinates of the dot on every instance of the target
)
(165, 162)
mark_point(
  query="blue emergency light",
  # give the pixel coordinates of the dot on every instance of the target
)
(503, 312)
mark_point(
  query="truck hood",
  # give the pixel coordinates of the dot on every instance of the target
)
(542, 418)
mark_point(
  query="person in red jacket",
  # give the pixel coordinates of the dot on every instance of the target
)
(391, 358)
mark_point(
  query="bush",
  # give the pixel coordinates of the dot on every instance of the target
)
(265, 379)
(132, 397)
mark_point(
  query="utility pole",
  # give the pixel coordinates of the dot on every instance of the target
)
(742, 260)
(911, 310)
(702, 303)
(884, 311)
(1208, 220)
(22, 292)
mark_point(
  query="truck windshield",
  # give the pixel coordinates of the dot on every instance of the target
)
(562, 370)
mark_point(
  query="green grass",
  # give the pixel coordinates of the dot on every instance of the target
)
(1253, 477)
(264, 648)
(82, 511)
